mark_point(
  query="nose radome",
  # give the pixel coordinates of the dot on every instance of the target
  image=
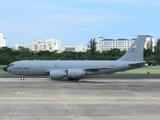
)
(5, 68)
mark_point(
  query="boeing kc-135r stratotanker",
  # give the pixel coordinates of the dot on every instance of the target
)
(75, 69)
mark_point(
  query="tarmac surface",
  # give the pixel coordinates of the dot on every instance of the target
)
(107, 76)
(92, 98)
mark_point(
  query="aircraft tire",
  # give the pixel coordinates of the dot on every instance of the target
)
(70, 79)
(76, 79)
(22, 78)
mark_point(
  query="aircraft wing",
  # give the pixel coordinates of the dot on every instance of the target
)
(97, 69)
(73, 72)
(87, 69)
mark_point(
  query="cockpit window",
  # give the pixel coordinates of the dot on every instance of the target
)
(10, 65)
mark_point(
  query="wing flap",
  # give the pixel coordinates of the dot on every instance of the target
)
(97, 69)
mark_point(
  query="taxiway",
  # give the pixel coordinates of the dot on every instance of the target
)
(88, 99)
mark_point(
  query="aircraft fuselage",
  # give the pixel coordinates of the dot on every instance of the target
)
(42, 67)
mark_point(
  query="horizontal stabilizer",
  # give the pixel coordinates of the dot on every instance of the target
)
(137, 64)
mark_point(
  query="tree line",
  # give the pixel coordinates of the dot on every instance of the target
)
(8, 55)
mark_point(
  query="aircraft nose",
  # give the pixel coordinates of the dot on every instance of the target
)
(5, 68)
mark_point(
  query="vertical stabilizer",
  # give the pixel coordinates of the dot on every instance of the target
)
(135, 52)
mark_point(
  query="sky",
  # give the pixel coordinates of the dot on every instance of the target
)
(75, 22)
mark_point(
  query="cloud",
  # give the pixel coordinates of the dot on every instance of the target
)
(73, 13)
(112, 1)
(140, 2)
(40, 19)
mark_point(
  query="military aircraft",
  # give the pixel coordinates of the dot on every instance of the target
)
(76, 69)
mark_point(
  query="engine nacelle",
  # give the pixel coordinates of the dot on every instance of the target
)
(55, 74)
(74, 73)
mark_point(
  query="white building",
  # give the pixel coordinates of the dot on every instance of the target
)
(16, 46)
(150, 41)
(48, 44)
(2, 40)
(79, 48)
(122, 44)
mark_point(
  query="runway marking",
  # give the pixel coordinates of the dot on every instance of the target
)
(18, 101)
(80, 101)
(155, 89)
(123, 86)
(68, 104)
(145, 84)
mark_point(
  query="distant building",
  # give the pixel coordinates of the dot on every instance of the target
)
(79, 48)
(2, 40)
(122, 44)
(108, 44)
(41, 45)
(150, 42)
(16, 46)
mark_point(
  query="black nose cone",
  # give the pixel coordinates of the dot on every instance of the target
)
(5, 68)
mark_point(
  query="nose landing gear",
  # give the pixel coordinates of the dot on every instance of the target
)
(22, 78)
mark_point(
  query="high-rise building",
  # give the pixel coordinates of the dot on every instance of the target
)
(79, 48)
(122, 44)
(2, 40)
(41, 45)
(150, 43)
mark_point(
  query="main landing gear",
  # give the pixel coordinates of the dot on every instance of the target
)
(72, 79)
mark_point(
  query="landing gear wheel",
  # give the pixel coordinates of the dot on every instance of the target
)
(76, 79)
(22, 78)
(70, 79)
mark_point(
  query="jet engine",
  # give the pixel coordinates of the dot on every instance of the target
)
(55, 74)
(75, 74)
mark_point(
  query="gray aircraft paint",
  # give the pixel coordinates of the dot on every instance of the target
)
(135, 52)
(75, 69)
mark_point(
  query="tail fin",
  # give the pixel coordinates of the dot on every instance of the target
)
(135, 52)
